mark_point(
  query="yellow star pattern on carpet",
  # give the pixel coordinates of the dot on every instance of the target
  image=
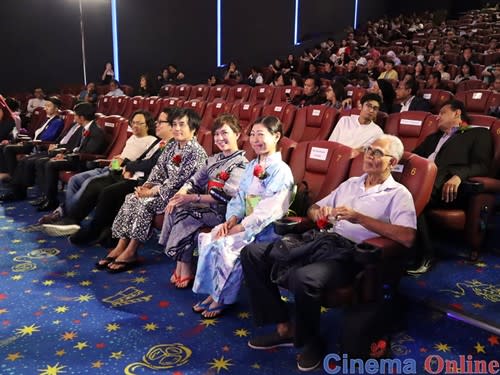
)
(61, 309)
(86, 283)
(440, 347)
(139, 280)
(13, 356)
(17, 277)
(52, 370)
(244, 315)
(56, 322)
(97, 364)
(324, 309)
(68, 336)
(241, 332)
(70, 274)
(170, 328)
(48, 282)
(220, 363)
(150, 327)
(479, 348)
(208, 322)
(27, 330)
(478, 305)
(112, 327)
(3, 311)
(116, 355)
(61, 352)
(74, 256)
(256, 366)
(84, 298)
(81, 345)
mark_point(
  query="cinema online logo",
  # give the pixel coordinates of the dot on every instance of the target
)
(433, 364)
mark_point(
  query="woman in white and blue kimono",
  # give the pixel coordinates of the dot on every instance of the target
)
(263, 197)
(192, 207)
(180, 160)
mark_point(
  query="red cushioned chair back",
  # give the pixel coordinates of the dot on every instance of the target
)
(239, 93)
(282, 94)
(247, 113)
(262, 94)
(197, 105)
(152, 105)
(133, 104)
(407, 126)
(183, 91)
(322, 164)
(214, 110)
(167, 90)
(285, 112)
(199, 92)
(218, 92)
(38, 118)
(314, 122)
(437, 98)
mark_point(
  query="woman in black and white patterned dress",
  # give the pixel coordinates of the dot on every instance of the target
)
(180, 160)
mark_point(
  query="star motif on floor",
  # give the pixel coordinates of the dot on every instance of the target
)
(27, 330)
(74, 256)
(285, 299)
(60, 353)
(70, 274)
(52, 370)
(13, 356)
(81, 345)
(481, 264)
(208, 322)
(256, 366)
(16, 241)
(150, 327)
(86, 283)
(479, 348)
(17, 277)
(68, 336)
(61, 309)
(116, 355)
(324, 309)
(139, 280)
(493, 340)
(440, 347)
(220, 363)
(180, 313)
(97, 364)
(56, 322)
(112, 327)
(84, 298)
(241, 332)
(3, 311)
(170, 328)
(48, 282)
(478, 305)
(244, 315)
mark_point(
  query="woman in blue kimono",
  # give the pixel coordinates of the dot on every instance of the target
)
(263, 197)
(192, 207)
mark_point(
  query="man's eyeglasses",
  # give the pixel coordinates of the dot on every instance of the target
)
(375, 152)
(159, 122)
(371, 106)
(138, 123)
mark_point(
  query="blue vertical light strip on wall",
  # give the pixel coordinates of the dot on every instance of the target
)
(296, 24)
(114, 28)
(219, 33)
(355, 14)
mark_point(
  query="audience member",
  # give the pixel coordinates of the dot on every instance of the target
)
(466, 73)
(385, 90)
(114, 89)
(88, 94)
(263, 196)
(407, 99)
(145, 87)
(393, 216)
(108, 75)
(311, 94)
(193, 207)
(37, 102)
(232, 73)
(180, 160)
(336, 96)
(389, 72)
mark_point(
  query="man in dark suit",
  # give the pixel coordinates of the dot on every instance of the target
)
(311, 95)
(459, 152)
(407, 99)
(93, 141)
(34, 164)
(48, 132)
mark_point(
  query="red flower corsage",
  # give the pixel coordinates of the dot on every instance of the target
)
(162, 145)
(323, 224)
(177, 160)
(86, 133)
(223, 175)
(260, 172)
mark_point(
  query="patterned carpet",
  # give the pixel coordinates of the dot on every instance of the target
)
(58, 315)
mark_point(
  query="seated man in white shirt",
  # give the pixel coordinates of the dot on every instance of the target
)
(357, 131)
(371, 205)
(114, 89)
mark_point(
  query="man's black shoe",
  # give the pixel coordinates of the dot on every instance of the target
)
(311, 357)
(39, 201)
(11, 197)
(48, 206)
(423, 268)
(84, 236)
(273, 340)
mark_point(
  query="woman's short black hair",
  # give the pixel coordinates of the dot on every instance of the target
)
(272, 124)
(193, 118)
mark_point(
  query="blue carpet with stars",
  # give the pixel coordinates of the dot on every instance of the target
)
(58, 315)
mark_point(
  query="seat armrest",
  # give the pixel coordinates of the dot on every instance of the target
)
(390, 248)
(365, 253)
(490, 184)
(293, 224)
(471, 187)
(90, 157)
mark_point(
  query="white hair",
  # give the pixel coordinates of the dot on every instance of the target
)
(396, 147)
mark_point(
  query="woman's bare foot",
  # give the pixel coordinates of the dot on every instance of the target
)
(177, 273)
(206, 302)
(214, 310)
(185, 275)
(116, 252)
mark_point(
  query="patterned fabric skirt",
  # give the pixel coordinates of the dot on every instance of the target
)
(180, 230)
(136, 216)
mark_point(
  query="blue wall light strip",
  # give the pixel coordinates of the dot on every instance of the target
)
(114, 28)
(219, 33)
(296, 24)
(355, 14)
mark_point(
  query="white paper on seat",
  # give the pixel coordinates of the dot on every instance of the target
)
(278, 108)
(182, 88)
(218, 105)
(262, 89)
(316, 112)
(427, 95)
(477, 95)
(246, 106)
(193, 104)
(349, 93)
(238, 89)
(109, 124)
(398, 168)
(406, 121)
(318, 153)
(219, 88)
(135, 101)
(288, 91)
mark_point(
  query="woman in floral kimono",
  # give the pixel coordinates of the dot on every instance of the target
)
(180, 160)
(192, 207)
(263, 197)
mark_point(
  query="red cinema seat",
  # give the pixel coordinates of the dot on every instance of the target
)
(246, 113)
(313, 122)
(198, 105)
(262, 94)
(199, 92)
(476, 101)
(152, 105)
(238, 93)
(212, 111)
(182, 91)
(285, 112)
(437, 98)
(218, 92)
(411, 127)
(133, 104)
(283, 94)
